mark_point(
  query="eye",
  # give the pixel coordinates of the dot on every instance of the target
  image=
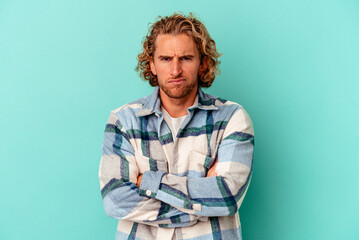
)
(166, 59)
(186, 58)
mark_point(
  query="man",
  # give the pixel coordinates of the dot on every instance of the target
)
(177, 164)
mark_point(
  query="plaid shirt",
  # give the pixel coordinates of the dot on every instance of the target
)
(176, 200)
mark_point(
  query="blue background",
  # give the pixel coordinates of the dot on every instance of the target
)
(292, 64)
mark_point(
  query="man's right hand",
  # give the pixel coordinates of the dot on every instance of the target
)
(212, 171)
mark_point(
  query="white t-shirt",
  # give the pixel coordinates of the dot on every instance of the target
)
(175, 123)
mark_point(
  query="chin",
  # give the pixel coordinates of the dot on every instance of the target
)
(178, 92)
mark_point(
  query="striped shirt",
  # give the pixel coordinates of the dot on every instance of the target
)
(176, 200)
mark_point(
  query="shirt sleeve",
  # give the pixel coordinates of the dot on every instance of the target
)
(211, 196)
(118, 176)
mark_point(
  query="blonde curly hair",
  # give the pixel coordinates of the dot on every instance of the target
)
(179, 23)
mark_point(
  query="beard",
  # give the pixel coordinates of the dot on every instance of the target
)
(178, 92)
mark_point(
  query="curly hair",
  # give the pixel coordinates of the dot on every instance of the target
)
(175, 24)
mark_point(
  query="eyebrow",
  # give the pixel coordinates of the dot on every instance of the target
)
(168, 56)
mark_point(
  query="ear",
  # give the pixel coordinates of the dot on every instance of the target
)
(152, 65)
(204, 65)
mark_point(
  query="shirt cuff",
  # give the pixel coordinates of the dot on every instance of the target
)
(150, 183)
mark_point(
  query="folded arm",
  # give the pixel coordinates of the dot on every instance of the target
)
(219, 195)
(118, 176)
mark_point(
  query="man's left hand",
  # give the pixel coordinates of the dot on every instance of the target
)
(139, 179)
(212, 170)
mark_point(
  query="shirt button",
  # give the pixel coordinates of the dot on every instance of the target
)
(148, 192)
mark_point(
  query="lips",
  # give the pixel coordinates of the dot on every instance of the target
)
(177, 81)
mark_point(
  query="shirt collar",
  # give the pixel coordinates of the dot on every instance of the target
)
(205, 101)
(153, 103)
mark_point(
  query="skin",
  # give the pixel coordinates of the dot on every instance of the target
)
(177, 64)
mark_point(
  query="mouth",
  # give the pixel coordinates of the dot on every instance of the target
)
(177, 81)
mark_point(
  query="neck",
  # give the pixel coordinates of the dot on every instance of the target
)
(177, 107)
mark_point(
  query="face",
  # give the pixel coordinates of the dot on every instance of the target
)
(176, 64)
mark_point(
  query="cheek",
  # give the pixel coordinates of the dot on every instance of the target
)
(193, 69)
(163, 69)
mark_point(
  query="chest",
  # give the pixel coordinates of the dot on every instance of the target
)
(189, 153)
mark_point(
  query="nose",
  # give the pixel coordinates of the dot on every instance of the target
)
(176, 68)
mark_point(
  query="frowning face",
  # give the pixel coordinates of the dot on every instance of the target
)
(176, 64)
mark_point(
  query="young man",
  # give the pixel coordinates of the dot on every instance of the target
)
(177, 164)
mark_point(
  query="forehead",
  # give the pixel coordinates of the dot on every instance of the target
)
(175, 44)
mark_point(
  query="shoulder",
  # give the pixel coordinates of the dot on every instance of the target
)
(128, 112)
(224, 106)
(132, 107)
(232, 112)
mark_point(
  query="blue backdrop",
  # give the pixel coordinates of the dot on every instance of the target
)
(292, 64)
